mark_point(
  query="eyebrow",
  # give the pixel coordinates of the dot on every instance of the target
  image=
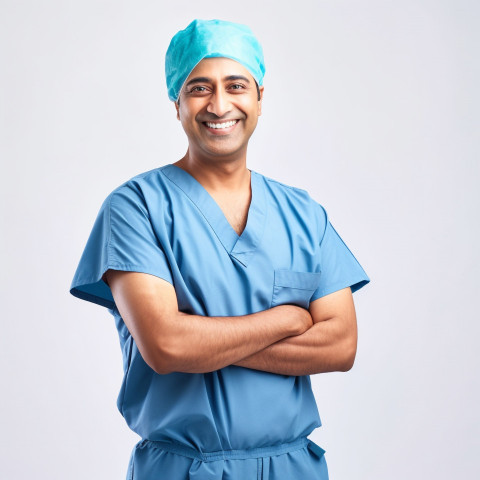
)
(208, 80)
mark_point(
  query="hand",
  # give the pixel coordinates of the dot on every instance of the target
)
(298, 317)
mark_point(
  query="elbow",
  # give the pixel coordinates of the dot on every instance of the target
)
(172, 355)
(161, 369)
(163, 361)
(348, 358)
(348, 364)
(167, 351)
(158, 364)
(349, 348)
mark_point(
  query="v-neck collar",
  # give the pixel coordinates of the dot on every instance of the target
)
(242, 247)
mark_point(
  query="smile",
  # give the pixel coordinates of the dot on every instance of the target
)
(221, 125)
(220, 129)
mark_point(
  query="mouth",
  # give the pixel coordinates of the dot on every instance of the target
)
(221, 128)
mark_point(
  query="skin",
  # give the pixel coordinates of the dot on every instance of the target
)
(286, 339)
(219, 162)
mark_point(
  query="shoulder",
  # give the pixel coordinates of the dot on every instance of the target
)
(282, 190)
(144, 188)
(299, 199)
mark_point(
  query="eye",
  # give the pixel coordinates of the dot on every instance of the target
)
(193, 89)
(238, 85)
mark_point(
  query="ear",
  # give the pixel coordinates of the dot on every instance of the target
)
(260, 88)
(178, 110)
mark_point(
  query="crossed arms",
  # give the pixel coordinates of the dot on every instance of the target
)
(286, 339)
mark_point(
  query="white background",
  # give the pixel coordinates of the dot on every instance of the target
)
(370, 106)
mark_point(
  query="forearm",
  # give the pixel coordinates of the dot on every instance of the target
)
(325, 347)
(198, 344)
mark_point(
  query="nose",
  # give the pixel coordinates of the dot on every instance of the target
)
(219, 103)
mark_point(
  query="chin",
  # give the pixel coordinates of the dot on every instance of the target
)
(223, 152)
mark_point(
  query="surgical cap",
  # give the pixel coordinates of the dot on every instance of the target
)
(211, 38)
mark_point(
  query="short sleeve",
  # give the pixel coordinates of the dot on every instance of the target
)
(122, 238)
(338, 266)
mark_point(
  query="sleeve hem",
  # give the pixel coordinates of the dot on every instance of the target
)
(126, 268)
(95, 290)
(354, 285)
(139, 269)
(89, 297)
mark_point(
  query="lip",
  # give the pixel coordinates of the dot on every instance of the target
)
(221, 131)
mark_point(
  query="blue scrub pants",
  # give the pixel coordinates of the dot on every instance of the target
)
(301, 459)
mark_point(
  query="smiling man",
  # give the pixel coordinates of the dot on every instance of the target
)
(224, 126)
(228, 288)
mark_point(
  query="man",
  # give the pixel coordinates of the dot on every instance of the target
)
(228, 288)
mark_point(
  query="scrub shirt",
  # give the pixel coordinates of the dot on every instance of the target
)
(234, 423)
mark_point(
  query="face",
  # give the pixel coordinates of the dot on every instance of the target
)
(219, 90)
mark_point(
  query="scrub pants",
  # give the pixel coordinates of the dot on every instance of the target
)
(301, 459)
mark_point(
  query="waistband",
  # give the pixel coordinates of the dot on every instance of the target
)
(258, 452)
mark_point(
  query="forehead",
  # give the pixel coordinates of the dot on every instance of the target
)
(217, 68)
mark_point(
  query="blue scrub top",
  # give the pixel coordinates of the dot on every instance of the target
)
(164, 222)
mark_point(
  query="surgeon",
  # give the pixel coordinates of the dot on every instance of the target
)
(228, 288)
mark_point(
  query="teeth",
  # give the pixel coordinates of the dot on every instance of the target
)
(221, 125)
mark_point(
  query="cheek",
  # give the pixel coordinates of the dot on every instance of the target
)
(186, 119)
(253, 110)
(252, 118)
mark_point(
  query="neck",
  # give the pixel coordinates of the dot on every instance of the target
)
(217, 174)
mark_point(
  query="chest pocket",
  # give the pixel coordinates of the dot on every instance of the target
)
(291, 287)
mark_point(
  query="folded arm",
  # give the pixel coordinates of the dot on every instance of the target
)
(329, 345)
(172, 341)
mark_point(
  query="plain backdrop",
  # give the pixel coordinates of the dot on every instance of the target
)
(370, 106)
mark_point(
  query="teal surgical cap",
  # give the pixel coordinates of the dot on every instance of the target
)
(211, 38)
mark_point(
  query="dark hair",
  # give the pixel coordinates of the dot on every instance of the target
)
(256, 84)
